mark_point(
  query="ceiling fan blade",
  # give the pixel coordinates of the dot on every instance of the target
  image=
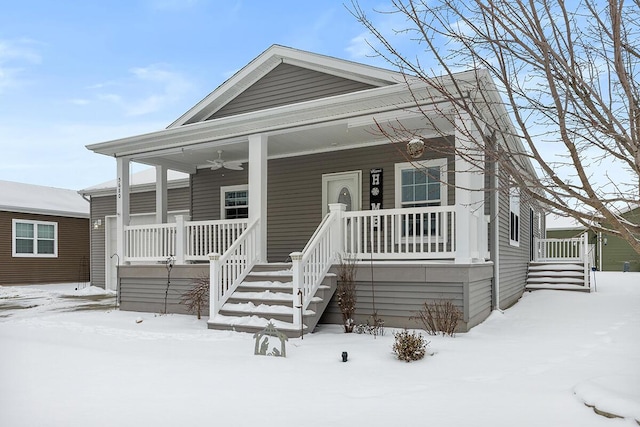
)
(215, 166)
(236, 166)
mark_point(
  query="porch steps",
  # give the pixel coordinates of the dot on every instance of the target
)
(566, 276)
(267, 295)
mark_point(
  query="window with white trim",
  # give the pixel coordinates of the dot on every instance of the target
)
(419, 184)
(234, 201)
(514, 216)
(34, 238)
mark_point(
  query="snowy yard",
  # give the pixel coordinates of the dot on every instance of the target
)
(67, 358)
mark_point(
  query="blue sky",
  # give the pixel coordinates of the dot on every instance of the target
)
(74, 73)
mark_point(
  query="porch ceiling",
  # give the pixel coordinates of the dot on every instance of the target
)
(328, 136)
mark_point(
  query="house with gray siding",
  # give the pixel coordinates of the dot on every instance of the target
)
(102, 202)
(290, 168)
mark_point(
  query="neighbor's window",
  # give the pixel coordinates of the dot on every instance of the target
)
(234, 202)
(514, 216)
(35, 238)
(421, 184)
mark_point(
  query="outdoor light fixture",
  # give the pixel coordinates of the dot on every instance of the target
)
(97, 223)
(415, 148)
(345, 356)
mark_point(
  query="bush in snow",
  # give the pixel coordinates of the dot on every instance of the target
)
(346, 292)
(375, 327)
(197, 296)
(409, 346)
(439, 316)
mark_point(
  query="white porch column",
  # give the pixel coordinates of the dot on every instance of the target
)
(258, 189)
(161, 194)
(337, 233)
(122, 205)
(471, 234)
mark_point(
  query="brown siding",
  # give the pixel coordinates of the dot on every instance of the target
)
(178, 199)
(288, 84)
(70, 266)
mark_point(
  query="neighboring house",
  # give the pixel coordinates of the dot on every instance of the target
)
(44, 233)
(287, 171)
(143, 211)
(608, 252)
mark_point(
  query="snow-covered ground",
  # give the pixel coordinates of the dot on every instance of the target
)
(532, 365)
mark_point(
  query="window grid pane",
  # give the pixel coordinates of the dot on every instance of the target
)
(24, 246)
(24, 230)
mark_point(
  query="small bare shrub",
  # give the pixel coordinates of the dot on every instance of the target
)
(439, 316)
(197, 296)
(374, 327)
(346, 292)
(409, 346)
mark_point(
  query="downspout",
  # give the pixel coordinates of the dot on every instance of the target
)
(496, 237)
(88, 199)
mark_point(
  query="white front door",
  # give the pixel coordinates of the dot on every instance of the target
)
(342, 187)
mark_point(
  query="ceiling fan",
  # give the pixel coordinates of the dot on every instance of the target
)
(219, 163)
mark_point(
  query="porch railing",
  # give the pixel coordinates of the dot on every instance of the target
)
(560, 250)
(205, 237)
(228, 270)
(409, 233)
(574, 250)
(153, 242)
(312, 264)
(183, 240)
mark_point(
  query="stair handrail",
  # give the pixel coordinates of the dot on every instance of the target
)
(228, 270)
(312, 264)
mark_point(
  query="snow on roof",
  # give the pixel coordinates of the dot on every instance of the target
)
(146, 177)
(37, 199)
(557, 222)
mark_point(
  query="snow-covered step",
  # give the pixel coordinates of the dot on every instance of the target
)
(561, 276)
(253, 324)
(267, 294)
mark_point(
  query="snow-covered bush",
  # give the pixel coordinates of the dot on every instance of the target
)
(409, 346)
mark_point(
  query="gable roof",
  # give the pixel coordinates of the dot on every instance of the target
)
(278, 59)
(36, 199)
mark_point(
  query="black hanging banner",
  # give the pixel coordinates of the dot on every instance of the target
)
(375, 189)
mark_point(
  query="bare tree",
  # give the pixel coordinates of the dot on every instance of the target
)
(568, 76)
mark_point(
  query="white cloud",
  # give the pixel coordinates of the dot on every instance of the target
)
(146, 90)
(14, 57)
(78, 101)
(359, 46)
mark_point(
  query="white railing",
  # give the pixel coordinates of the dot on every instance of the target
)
(560, 250)
(409, 233)
(228, 270)
(205, 237)
(183, 240)
(312, 264)
(575, 250)
(153, 242)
